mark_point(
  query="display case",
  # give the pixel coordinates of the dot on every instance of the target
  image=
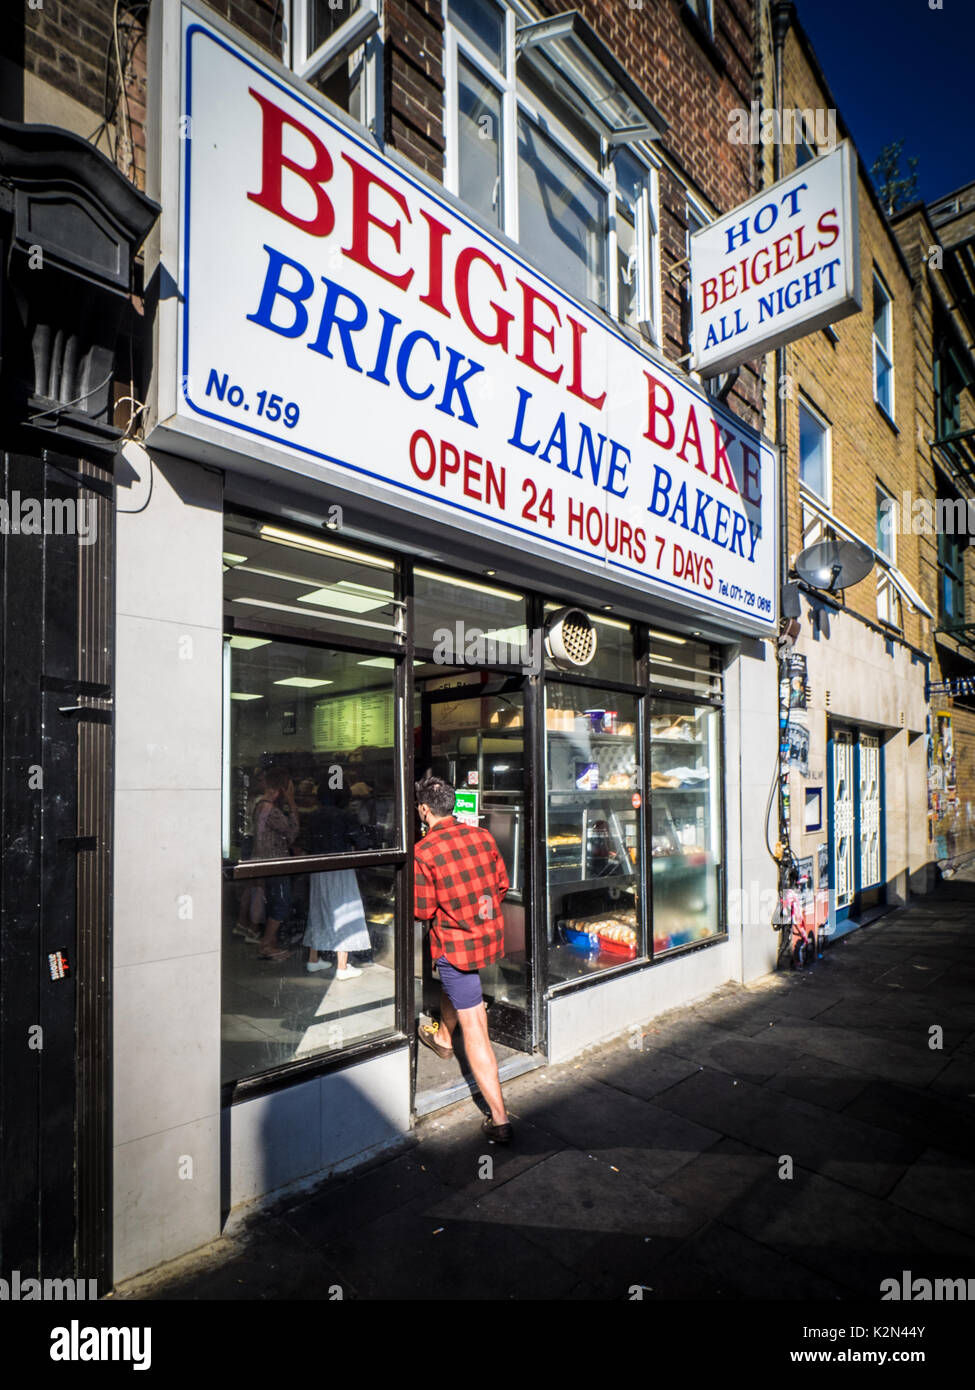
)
(593, 829)
(685, 822)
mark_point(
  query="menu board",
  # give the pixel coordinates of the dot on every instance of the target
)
(342, 723)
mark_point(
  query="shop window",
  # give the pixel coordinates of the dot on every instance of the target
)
(526, 150)
(333, 48)
(274, 573)
(312, 785)
(814, 452)
(685, 799)
(883, 364)
(594, 830)
(684, 666)
(463, 622)
(888, 599)
(275, 1012)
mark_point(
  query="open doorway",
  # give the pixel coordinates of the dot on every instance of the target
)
(471, 731)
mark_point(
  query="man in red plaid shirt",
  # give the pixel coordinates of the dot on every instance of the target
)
(459, 883)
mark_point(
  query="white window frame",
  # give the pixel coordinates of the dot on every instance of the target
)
(886, 352)
(515, 104)
(362, 31)
(359, 26)
(827, 500)
(888, 599)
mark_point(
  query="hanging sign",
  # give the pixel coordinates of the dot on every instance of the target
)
(338, 318)
(779, 266)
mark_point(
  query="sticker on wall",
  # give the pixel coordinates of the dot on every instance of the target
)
(58, 965)
(822, 866)
(799, 746)
(798, 684)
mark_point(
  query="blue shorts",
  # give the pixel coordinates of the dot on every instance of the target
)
(278, 893)
(462, 987)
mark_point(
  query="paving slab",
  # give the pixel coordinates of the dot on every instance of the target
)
(836, 1145)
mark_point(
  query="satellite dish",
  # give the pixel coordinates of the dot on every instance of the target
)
(834, 565)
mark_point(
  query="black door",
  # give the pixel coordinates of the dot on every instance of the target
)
(55, 818)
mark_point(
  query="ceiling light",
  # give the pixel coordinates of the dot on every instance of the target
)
(233, 559)
(349, 603)
(304, 682)
(454, 582)
(247, 644)
(668, 637)
(301, 542)
(234, 695)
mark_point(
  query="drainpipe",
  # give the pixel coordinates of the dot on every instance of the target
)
(782, 15)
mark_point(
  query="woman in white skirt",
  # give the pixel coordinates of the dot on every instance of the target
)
(336, 920)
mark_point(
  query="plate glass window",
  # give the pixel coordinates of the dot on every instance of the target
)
(312, 782)
(883, 366)
(593, 830)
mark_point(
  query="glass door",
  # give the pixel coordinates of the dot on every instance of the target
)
(473, 735)
(842, 822)
(870, 865)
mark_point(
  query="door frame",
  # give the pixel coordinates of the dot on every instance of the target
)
(851, 911)
(509, 1025)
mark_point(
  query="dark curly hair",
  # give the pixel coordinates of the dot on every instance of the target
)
(437, 794)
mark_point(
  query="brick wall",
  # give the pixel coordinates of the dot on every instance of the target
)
(837, 378)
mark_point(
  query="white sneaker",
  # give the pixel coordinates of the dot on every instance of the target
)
(347, 973)
(314, 965)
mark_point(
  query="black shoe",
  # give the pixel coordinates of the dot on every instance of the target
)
(501, 1134)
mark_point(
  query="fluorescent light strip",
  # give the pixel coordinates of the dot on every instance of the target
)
(666, 637)
(467, 584)
(351, 603)
(318, 617)
(304, 682)
(279, 536)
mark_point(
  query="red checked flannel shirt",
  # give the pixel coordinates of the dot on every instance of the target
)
(460, 881)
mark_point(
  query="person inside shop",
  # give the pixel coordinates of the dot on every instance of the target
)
(460, 880)
(275, 831)
(336, 920)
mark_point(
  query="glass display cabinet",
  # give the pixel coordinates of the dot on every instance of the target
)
(685, 790)
(593, 829)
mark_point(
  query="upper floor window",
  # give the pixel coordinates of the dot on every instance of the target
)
(528, 155)
(814, 449)
(703, 12)
(950, 380)
(331, 49)
(696, 218)
(883, 360)
(888, 599)
(951, 578)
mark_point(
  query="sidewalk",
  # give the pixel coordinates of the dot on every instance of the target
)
(661, 1167)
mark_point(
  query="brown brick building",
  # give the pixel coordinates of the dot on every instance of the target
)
(857, 716)
(937, 241)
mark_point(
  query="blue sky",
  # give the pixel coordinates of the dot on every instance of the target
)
(900, 70)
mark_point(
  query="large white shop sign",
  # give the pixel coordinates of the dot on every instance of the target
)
(779, 266)
(338, 319)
